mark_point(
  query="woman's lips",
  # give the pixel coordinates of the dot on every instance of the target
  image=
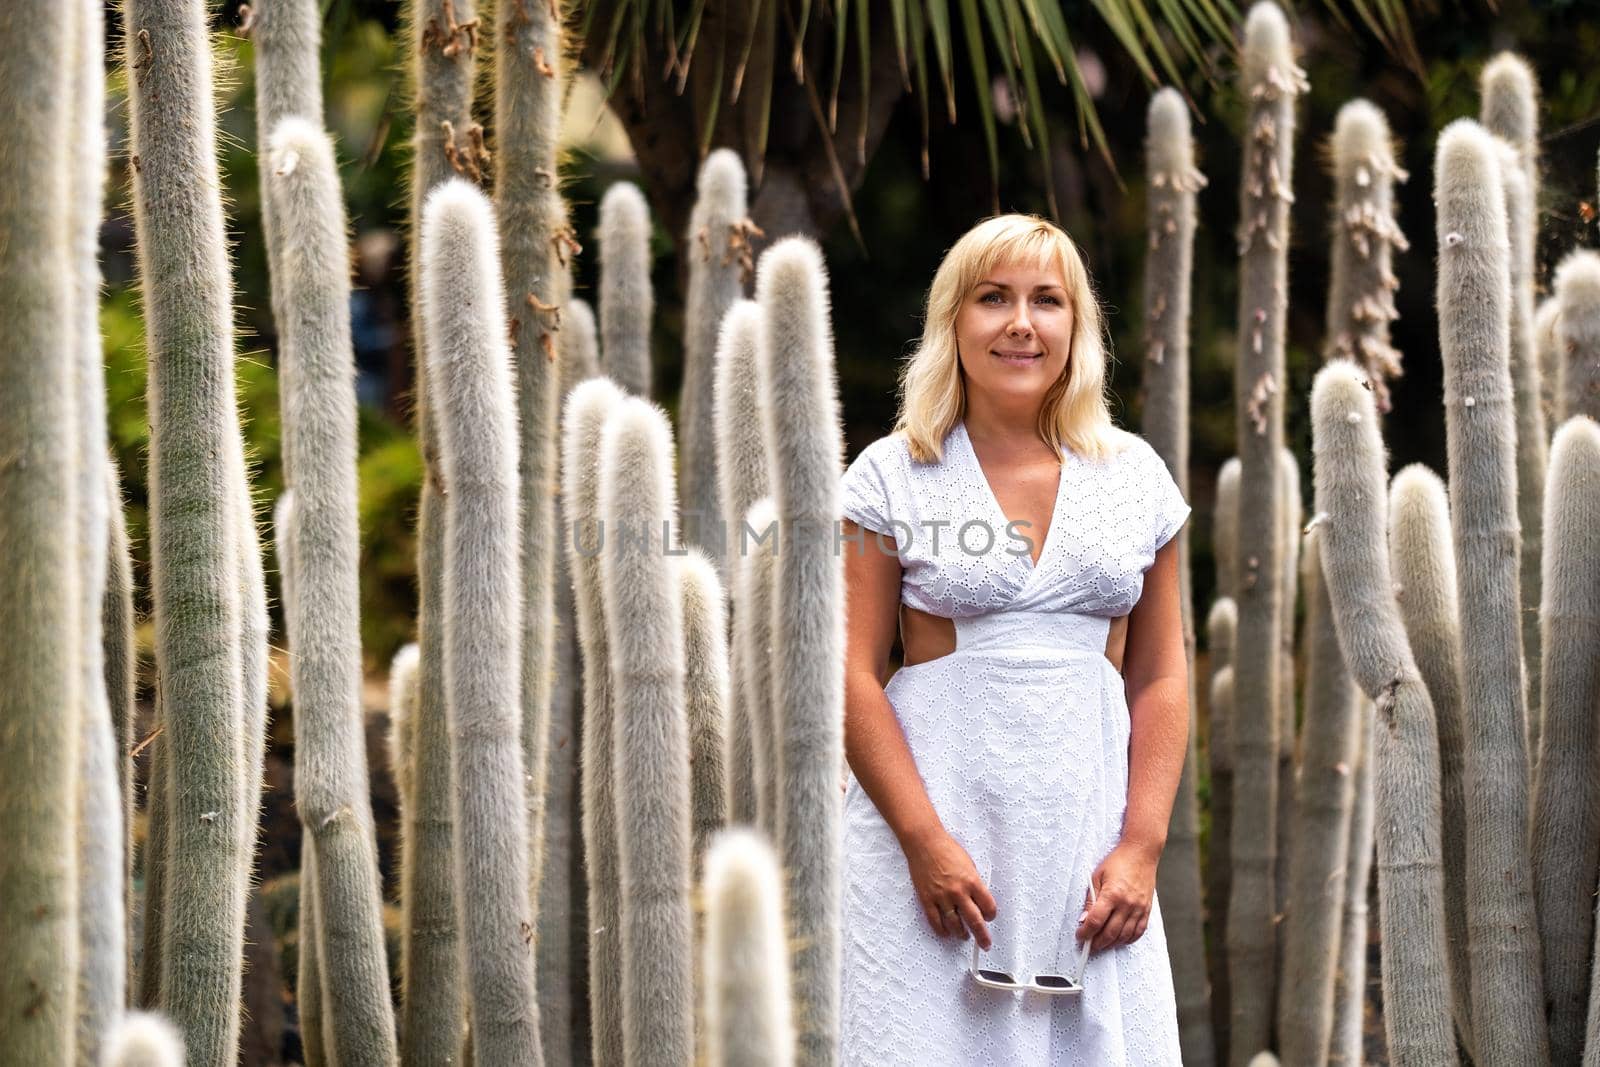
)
(1018, 358)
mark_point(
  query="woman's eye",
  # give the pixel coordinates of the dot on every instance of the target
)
(990, 297)
(1049, 300)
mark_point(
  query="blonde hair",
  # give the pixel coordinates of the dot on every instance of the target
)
(932, 394)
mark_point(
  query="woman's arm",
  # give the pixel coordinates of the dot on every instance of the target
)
(953, 896)
(1156, 678)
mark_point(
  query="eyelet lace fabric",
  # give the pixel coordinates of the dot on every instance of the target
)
(1021, 738)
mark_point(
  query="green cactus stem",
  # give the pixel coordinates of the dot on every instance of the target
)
(800, 398)
(747, 1006)
(717, 251)
(650, 755)
(1474, 299)
(1566, 824)
(1424, 568)
(1350, 500)
(627, 302)
(1272, 81)
(470, 363)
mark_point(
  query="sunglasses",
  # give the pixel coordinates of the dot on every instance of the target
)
(1055, 985)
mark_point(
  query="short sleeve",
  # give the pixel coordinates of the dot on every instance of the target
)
(1171, 510)
(865, 491)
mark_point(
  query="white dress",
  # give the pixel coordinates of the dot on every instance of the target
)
(1021, 737)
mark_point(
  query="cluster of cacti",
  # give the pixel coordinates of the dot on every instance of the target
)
(563, 787)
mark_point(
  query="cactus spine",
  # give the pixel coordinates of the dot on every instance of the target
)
(1566, 825)
(196, 473)
(41, 660)
(587, 409)
(650, 755)
(469, 361)
(1474, 321)
(1577, 285)
(1321, 836)
(1424, 570)
(1272, 81)
(1169, 223)
(1510, 109)
(1350, 496)
(801, 402)
(144, 1040)
(443, 40)
(747, 1011)
(705, 658)
(743, 476)
(331, 777)
(715, 241)
(626, 300)
(1361, 284)
(529, 81)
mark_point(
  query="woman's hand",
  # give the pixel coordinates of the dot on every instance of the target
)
(1125, 886)
(954, 899)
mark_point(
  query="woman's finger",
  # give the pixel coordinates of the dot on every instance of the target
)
(935, 920)
(975, 923)
(1144, 924)
(1111, 932)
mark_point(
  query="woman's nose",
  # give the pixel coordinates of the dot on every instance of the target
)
(1020, 325)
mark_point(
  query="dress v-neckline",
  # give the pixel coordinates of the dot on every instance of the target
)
(994, 502)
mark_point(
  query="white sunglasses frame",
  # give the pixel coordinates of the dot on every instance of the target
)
(1076, 978)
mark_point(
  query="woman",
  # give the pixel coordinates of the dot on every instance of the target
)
(1030, 746)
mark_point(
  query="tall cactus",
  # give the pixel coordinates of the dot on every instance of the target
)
(287, 46)
(1474, 298)
(1320, 839)
(1510, 109)
(1350, 499)
(747, 1009)
(714, 241)
(743, 477)
(402, 720)
(1225, 529)
(442, 35)
(1577, 285)
(756, 632)
(1173, 182)
(534, 236)
(39, 586)
(801, 403)
(118, 620)
(102, 917)
(560, 945)
(587, 409)
(644, 622)
(1272, 81)
(196, 472)
(1221, 624)
(331, 775)
(469, 362)
(1566, 824)
(627, 301)
(1424, 568)
(1361, 284)
(1350, 983)
(705, 657)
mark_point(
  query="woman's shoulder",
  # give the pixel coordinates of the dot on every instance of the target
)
(1125, 450)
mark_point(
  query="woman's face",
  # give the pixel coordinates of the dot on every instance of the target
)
(1014, 331)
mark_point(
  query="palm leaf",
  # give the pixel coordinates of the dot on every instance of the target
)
(980, 80)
